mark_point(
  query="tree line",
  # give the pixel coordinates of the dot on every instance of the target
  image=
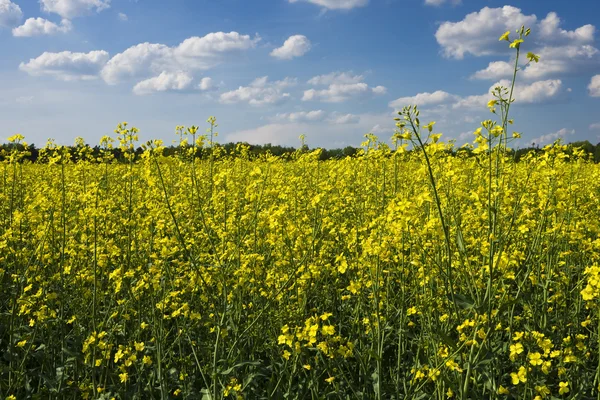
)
(258, 150)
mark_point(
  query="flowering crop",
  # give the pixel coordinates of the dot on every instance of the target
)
(393, 274)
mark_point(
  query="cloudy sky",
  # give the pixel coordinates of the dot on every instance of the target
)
(270, 70)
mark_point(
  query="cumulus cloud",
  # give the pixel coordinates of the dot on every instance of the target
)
(549, 30)
(122, 16)
(561, 51)
(535, 92)
(380, 90)
(336, 93)
(342, 86)
(10, 14)
(137, 60)
(302, 116)
(294, 46)
(336, 77)
(551, 137)
(595, 126)
(195, 53)
(74, 8)
(67, 65)
(594, 86)
(41, 26)
(260, 92)
(477, 33)
(423, 99)
(336, 4)
(206, 84)
(165, 82)
(495, 70)
(317, 116)
(554, 60)
(571, 59)
(344, 119)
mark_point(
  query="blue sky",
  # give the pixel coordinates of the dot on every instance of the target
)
(270, 70)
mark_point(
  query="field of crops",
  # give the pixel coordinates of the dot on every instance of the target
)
(423, 272)
(274, 278)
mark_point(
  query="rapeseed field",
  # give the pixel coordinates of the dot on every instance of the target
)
(411, 271)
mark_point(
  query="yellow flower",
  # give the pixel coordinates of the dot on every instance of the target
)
(330, 379)
(535, 358)
(306, 367)
(516, 43)
(504, 36)
(533, 57)
(502, 390)
(22, 343)
(542, 390)
(515, 350)
(563, 387)
(123, 377)
(518, 377)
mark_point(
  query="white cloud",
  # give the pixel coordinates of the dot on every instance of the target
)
(74, 8)
(41, 26)
(478, 32)
(595, 126)
(302, 116)
(495, 70)
(549, 30)
(164, 82)
(67, 65)
(122, 16)
(344, 119)
(535, 92)
(379, 90)
(317, 116)
(206, 84)
(10, 14)
(551, 137)
(260, 92)
(336, 77)
(336, 92)
(561, 51)
(336, 4)
(554, 60)
(472, 101)
(594, 86)
(195, 53)
(342, 87)
(294, 46)
(441, 101)
(423, 99)
(137, 60)
(441, 2)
